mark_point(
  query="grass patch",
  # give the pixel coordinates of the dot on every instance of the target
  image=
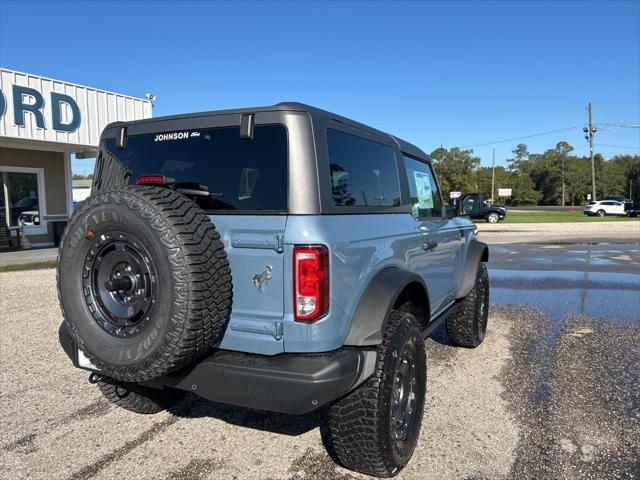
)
(28, 266)
(560, 217)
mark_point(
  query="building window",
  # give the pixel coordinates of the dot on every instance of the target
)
(22, 198)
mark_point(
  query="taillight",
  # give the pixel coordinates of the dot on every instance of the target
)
(310, 282)
(153, 180)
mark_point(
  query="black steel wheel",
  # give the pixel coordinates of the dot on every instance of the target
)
(143, 281)
(120, 283)
(403, 403)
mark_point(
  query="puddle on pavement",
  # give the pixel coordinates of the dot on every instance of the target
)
(607, 295)
(589, 257)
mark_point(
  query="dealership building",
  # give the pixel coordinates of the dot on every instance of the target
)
(43, 122)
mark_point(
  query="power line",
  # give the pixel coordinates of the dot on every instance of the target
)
(523, 137)
(546, 108)
(620, 125)
(617, 146)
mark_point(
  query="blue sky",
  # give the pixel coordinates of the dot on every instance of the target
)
(451, 73)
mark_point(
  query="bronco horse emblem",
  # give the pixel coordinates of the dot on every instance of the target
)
(262, 278)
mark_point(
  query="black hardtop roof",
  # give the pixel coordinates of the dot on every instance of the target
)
(405, 146)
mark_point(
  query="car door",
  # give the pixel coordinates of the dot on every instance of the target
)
(608, 207)
(471, 206)
(616, 208)
(439, 238)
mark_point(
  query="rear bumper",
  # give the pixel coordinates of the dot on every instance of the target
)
(288, 383)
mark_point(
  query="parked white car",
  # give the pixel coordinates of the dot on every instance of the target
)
(604, 207)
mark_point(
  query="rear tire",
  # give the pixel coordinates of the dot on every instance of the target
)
(467, 326)
(375, 428)
(137, 398)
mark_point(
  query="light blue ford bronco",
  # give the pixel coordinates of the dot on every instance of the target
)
(280, 258)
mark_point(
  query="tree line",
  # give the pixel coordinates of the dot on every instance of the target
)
(536, 178)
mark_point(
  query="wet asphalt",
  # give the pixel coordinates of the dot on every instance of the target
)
(552, 393)
(573, 382)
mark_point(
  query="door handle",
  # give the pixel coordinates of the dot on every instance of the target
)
(429, 245)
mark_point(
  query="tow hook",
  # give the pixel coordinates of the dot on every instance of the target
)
(95, 377)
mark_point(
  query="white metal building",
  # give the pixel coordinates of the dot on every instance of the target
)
(42, 123)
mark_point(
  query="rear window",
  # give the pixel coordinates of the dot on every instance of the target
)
(215, 167)
(363, 172)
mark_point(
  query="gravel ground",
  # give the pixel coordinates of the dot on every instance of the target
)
(498, 233)
(547, 395)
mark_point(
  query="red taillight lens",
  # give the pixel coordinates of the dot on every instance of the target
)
(153, 180)
(310, 282)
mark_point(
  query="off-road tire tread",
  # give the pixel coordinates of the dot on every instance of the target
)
(201, 274)
(462, 324)
(357, 421)
(137, 398)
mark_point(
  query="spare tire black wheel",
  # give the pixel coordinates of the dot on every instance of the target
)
(144, 282)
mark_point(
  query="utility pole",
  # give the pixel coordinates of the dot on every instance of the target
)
(493, 174)
(589, 132)
(563, 179)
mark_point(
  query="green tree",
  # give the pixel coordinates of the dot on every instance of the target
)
(523, 190)
(563, 149)
(577, 180)
(520, 158)
(456, 169)
(616, 173)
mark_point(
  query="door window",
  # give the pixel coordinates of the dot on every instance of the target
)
(471, 205)
(426, 201)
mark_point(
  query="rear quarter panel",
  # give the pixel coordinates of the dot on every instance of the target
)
(360, 246)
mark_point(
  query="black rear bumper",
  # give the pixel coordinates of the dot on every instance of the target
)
(292, 383)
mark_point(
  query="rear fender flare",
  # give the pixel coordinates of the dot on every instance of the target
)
(376, 303)
(477, 252)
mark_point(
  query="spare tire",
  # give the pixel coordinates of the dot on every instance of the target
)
(143, 281)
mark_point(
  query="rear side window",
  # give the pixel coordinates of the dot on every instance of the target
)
(226, 172)
(363, 172)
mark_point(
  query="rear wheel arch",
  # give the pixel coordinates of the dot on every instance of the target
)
(391, 288)
(414, 299)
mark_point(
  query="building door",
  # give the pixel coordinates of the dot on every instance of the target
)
(20, 197)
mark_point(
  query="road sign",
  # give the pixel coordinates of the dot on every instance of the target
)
(455, 194)
(504, 192)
